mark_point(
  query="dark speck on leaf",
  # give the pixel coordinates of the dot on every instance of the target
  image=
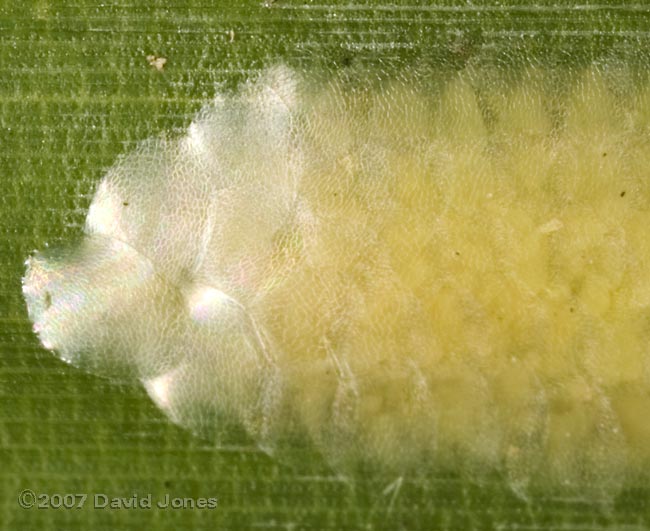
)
(623, 193)
(126, 203)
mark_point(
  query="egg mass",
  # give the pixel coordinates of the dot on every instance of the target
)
(407, 269)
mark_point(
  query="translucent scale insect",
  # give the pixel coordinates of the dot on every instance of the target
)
(408, 270)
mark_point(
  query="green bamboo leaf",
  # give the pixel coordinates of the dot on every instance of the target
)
(81, 83)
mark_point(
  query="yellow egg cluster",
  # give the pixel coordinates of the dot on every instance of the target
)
(474, 284)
